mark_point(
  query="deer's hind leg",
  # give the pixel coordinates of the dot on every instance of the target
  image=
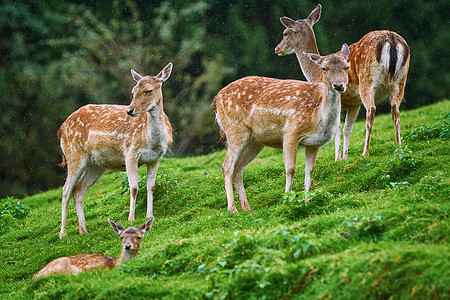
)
(396, 97)
(152, 169)
(90, 175)
(237, 141)
(249, 153)
(75, 169)
(366, 92)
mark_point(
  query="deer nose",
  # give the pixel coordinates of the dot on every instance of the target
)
(127, 247)
(130, 111)
(339, 87)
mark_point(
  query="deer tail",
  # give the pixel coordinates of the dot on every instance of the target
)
(64, 161)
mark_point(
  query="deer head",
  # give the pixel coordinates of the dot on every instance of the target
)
(147, 93)
(299, 31)
(334, 68)
(131, 238)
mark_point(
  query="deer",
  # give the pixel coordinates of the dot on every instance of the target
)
(131, 243)
(379, 64)
(115, 137)
(253, 112)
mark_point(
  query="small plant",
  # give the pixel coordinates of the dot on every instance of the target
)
(11, 210)
(439, 129)
(400, 166)
(295, 208)
(365, 226)
(432, 184)
(165, 180)
(400, 185)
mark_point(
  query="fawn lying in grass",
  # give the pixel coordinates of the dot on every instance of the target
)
(131, 243)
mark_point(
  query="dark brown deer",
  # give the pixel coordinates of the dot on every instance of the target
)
(116, 137)
(379, 65)
(254, 112)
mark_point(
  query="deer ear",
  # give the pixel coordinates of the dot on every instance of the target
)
(288, 22)
(314, 16)
(314, 57)
(345, 50)
(147, 226)
(136, 76)
(116, 227)
(165, 73)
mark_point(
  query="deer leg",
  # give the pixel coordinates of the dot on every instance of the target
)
(246, 157)
(132, 173)
(75, 169)
(152, 169)
(396, 98)
(337, 143)
(310, 162)
(237, 142)
(290, 145)
(350, 118)
(89, 177)
(367, 96)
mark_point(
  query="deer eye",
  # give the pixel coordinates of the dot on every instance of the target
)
(138, 238)
(324, 69)
(148, 92)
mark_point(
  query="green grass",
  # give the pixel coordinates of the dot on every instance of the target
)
(376, 228)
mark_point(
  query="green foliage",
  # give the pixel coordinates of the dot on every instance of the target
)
(357, 235)
(439, 129)
(365, 226)
(10, 211)
(58, 55)
(165, 181)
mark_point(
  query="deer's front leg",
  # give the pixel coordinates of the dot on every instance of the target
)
(310, 162)
(337, 143)
(151, 178)
(290, 144)
(350, 118)
(132, 173)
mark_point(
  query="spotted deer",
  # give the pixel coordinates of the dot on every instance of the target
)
(379, 65)
(254, 112)
(116, 137)
(131, 243)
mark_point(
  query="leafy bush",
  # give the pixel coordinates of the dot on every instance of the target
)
(10, 211)
(439, 129)
(257, 262)
(365, 226)
(295, 208)
(400, 166)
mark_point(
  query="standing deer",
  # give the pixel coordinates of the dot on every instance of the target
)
(254, 112)
(115, 137)
(131, 243)
(379, 65)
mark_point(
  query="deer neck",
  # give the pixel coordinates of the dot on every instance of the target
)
(156, 124)
(330, 109)
(311, 70)
(125, 255)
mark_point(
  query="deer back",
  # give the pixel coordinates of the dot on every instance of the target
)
(76, 264)
(107, 133)
(269, 107)
(381, 57)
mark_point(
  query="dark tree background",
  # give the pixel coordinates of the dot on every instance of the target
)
(57, 55)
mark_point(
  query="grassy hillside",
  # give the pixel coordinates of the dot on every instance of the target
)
(376, 228)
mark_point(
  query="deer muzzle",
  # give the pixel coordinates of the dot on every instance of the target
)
(130, 111)
(339, 87)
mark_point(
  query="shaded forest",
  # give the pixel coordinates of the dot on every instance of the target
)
(57, 55)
